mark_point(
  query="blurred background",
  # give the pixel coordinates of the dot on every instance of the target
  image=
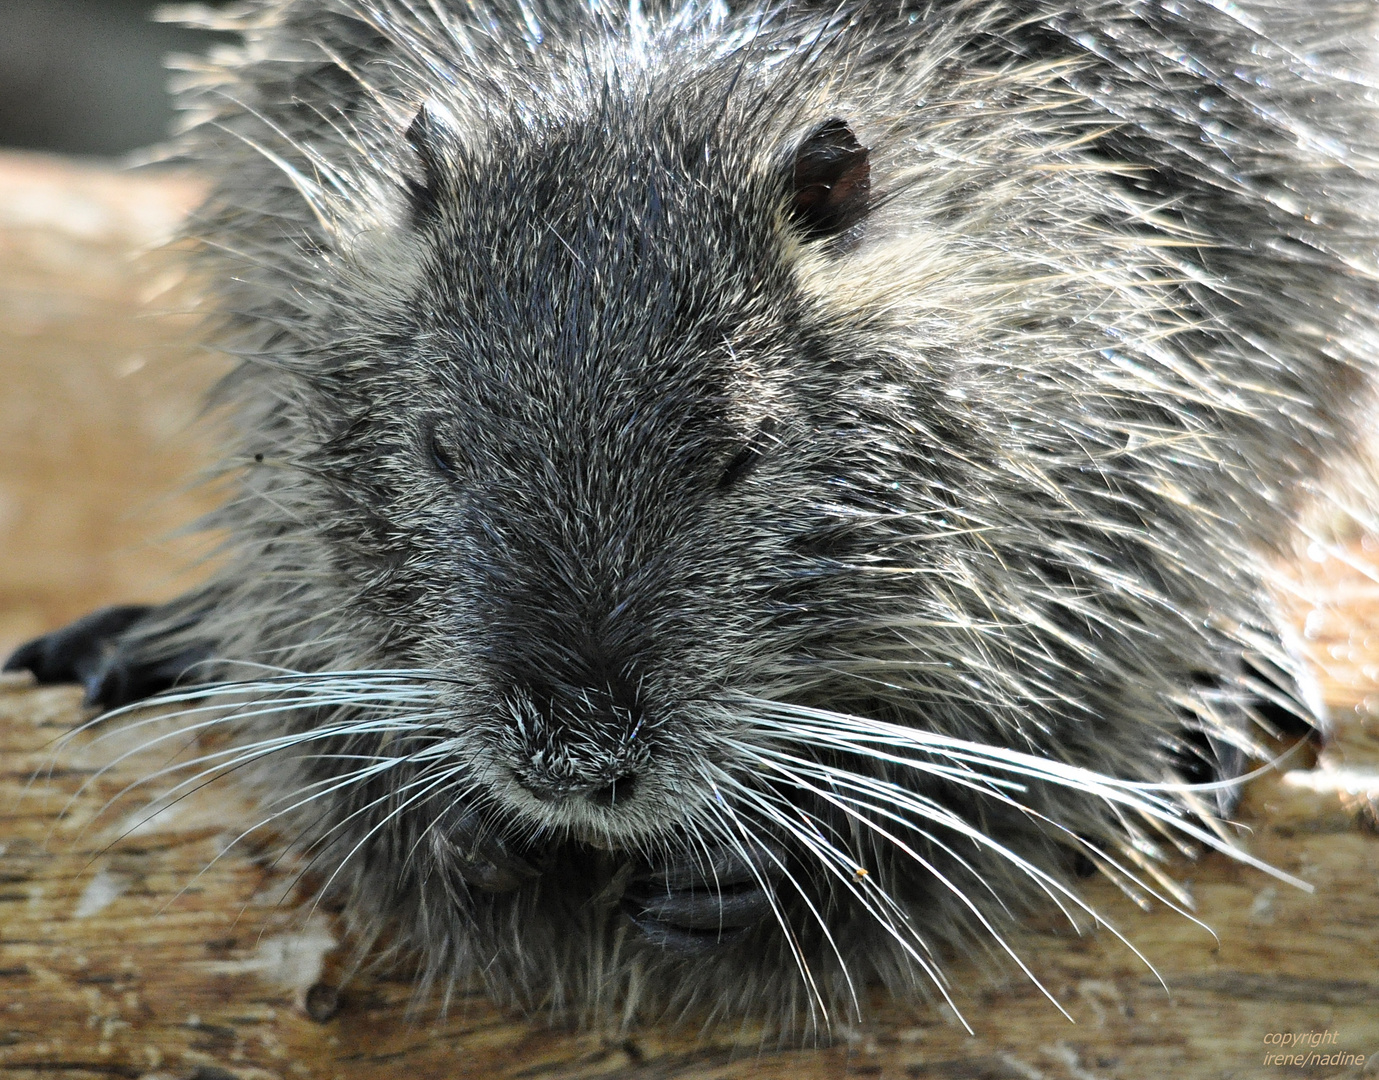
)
(86, 76)
(100, 375)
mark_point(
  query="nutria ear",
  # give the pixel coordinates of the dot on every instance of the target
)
(424, 188)
(832, 178)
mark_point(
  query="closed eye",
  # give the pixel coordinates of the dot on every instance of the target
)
(747, 459)
(441, 457)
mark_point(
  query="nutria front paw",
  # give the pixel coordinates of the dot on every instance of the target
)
(704, 899)
(90, 652)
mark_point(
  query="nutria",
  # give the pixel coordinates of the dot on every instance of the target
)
(735, 504)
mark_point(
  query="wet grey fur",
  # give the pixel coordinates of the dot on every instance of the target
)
(552, 412)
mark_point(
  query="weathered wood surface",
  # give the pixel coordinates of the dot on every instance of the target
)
(145, 949)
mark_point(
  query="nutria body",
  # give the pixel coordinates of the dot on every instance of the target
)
(732, 501)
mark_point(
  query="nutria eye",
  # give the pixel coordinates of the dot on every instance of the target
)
(832, 181)
(441, 458)
(746, 459)
(739, 467)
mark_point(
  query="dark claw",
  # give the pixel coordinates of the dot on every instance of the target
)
(479, 855)
(720, 867)
(686, 942)
(124, 679)
(78, 652)
(1204, 756)
(89, 652)
(694, 910)
(502, 873)
(702, 900)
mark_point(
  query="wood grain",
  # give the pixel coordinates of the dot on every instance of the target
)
(137, 946)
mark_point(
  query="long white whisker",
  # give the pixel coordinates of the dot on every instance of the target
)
(816, 1000)
(302, 683)
(386, 819)
(461, 795)
(1139, 797)
(950, 820)
(335, 783)
(849, 807)
(842, 868)
(238, 754)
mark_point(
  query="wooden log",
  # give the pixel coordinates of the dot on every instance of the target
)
(151, 947)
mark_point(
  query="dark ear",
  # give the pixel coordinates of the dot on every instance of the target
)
(424, 189)
(832, 179)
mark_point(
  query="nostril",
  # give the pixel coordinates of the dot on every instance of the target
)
(620, 790)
